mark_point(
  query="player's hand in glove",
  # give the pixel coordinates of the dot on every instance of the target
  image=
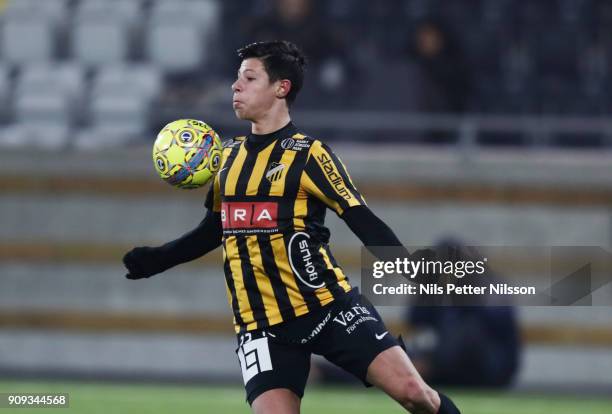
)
(144, 262)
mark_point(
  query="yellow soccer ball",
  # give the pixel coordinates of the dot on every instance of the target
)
(187, 153)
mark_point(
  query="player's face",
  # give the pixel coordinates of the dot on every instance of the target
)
(253, 93)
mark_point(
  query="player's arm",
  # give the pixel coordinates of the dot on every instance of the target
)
(327, 178)
(143, 262)
(369, 228)
(372, 231)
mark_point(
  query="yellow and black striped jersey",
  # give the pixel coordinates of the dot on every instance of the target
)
(272, 198)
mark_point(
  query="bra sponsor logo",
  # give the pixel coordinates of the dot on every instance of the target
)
(245, 215)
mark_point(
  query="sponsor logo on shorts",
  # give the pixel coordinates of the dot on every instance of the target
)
(352, 318)
(317, 330)
(254, 358)
(381, 336)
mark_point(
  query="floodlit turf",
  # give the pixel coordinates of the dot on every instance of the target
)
(92, 398)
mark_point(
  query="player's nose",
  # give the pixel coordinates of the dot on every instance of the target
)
(236, 86)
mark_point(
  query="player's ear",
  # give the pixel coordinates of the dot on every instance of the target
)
(283, 88)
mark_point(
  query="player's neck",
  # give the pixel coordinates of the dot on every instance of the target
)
(270, 123)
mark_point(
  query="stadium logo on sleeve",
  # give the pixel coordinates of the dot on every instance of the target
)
(333, 176)
(302, 261)
(275, 171)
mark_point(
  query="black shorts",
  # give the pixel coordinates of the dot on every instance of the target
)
(349, 333)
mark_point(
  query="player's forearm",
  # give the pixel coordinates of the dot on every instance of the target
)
(196, 243)
(370, 229)
(373, 232)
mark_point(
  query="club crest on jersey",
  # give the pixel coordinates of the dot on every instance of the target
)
(275, 171)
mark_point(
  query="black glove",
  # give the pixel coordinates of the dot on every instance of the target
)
(144, 262)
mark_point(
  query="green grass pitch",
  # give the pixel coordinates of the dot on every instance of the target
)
(108, 398)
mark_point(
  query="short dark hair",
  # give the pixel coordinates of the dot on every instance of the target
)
(282, 60)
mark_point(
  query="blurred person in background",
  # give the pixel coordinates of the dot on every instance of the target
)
(465, 345)
(331, 67)
(444, 69)
(454, 345)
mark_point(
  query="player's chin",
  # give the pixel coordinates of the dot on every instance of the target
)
(240, 113)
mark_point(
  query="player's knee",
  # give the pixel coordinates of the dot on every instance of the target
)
(416, 396)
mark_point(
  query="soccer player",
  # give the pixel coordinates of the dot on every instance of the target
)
(289, 297)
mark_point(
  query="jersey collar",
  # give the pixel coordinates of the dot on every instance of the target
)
(255, 142)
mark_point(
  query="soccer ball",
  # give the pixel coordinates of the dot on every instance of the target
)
(187, 153)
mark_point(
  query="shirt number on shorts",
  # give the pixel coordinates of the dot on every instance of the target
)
(254, 357)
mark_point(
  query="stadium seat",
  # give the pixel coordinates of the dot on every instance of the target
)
(39, 135)
(181, 33)
(27, 38)
(121, 109)
(129, 12)
(68, 77)
(63, 82)
(55, 10)
(103, 136)
(121, 99)
(139, 79)
(177, 46)
(47, 102)
(100, 39)
(207, 11)
(116, 117)
(49, 107)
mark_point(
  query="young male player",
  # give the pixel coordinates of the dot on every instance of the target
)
(289, 297)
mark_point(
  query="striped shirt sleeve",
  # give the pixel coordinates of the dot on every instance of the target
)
(326, 178)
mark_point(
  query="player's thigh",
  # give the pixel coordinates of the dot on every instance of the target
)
(354, 335)
(277, 401)
(268, 365)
